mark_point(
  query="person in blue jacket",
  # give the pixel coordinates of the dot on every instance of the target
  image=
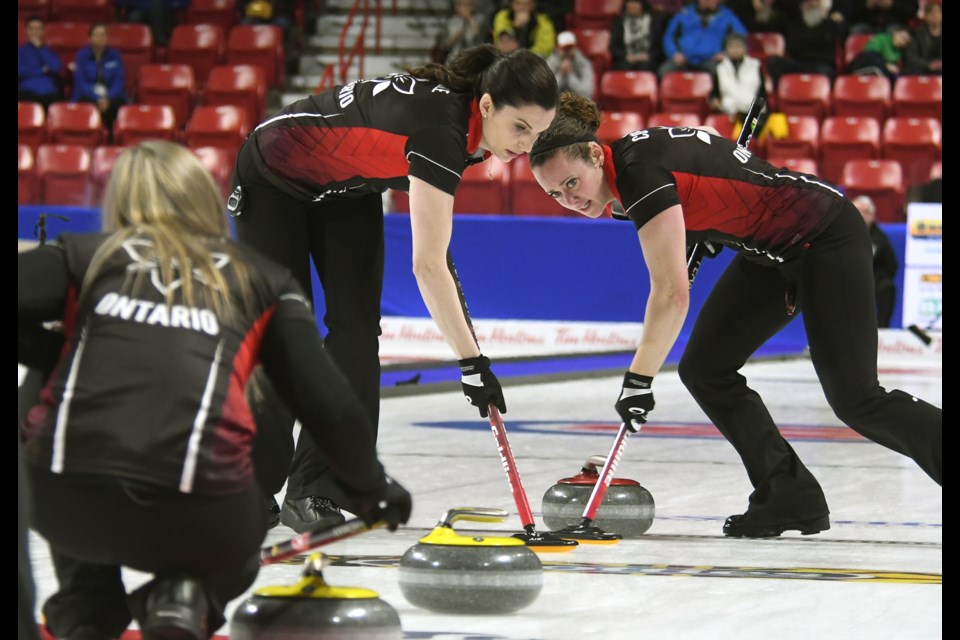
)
(38, 67)
(99, 76)
(693, 40)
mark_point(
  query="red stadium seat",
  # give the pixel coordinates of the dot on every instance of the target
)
(844, 138)
(527, 196)
(28, 8)
(674, 120)
(686, 92)
(138, 122)
(861, 95)
(802, 139)
(75, 123)
(219, 162)
(763, 44)
(616, 124)
(852, 47)
(220, 12)
(477, 192)
(936, 171)
(882, 180)
(800, 165)
(918, 96)
(224, 126)
(31, 124)
(104, 157)
(26, 176)
(171, 84)
(201, 46)
(66, 38)
(629, 91)
(805, 94)
(261, 45)
(593, 14)
(21, 33)
(723, 123)
(242, 85)
(83, 10)
(916, 143)
(135, 44)
(63, 172)
(595, 44)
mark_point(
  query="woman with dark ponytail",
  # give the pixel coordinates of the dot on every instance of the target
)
(308, 186)
(800, 246)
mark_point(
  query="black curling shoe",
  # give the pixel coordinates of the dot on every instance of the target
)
(176, 609)
(312, 512)
(738, 527)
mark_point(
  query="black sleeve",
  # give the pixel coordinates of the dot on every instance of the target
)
(437, 156)
(42, 285)
(307, 379)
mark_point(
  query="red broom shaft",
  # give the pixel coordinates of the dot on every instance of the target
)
(510, 466)
(606, 474)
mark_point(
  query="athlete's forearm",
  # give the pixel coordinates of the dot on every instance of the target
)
(431, 221)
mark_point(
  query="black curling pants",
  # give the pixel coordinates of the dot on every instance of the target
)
(833, 280)
(97, 526)
(345, 241)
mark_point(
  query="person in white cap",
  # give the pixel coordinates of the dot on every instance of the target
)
(573, 69)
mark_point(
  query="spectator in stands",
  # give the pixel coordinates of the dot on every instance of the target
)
(507, 41)
(884, 260)
(464, 29)
(533, 29)
(759, 15)
(811, 37)
(160, 15)
(557, 11)
(694, 37)
(877, 16)
(38, 67)
(738, 78)
(924, 54)
(573, 69)
(99, 76)
(279, 13)
(636, 37)
(883, 54)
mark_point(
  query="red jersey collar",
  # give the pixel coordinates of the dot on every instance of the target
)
(610, 171)
(474, 127)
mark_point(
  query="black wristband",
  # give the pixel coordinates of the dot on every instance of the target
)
(637, 381)
(473, 365)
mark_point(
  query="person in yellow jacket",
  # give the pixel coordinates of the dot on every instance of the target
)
(533, 29)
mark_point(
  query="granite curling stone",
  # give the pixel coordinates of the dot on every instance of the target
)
(313, 610)
(449, 573)
(627, 508)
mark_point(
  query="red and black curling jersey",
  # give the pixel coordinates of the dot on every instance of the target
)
(369, 136)
(155, 392)
(728, 195)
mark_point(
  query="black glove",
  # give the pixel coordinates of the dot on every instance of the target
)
(480, 385)
(636, 400)
(392, 505)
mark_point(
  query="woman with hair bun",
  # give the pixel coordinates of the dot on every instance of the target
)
(800, 246)
(309, 183)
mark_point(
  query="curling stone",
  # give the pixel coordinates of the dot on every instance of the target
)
(313, 610)
(627, 507)
(449, 573)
